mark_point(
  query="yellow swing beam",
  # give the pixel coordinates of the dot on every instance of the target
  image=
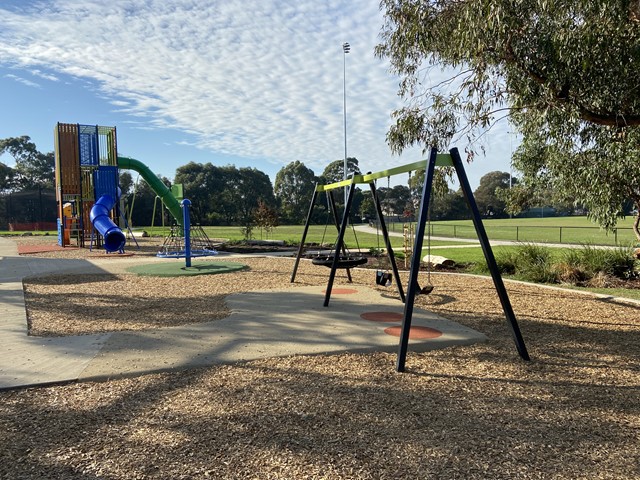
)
(442, 160)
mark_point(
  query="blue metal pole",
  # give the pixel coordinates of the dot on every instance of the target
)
(187, 231)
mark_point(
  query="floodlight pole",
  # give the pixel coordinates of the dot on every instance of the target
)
(345, 49)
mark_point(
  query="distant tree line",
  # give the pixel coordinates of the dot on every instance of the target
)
(227, 195)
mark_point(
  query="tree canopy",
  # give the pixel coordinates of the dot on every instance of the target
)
(334, 172)
(33, 168)
(225, 195)
(6, 176)
(487, 195)
(563, 71)
(293, 188)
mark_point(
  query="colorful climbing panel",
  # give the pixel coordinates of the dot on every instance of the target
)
(86, 169)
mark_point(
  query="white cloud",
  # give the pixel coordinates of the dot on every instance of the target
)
(260, 78)
(22, 80)
(44, 75)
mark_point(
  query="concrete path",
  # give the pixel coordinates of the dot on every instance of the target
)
(28, 360)
(262, 324)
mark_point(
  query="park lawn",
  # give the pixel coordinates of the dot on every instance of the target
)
(572, 230)
(568, 230)
(316, 234)
(474, 255)
(568, 221)
(631, 293)
(43, 233)
(466, 256)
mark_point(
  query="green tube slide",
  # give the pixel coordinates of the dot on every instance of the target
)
(160, 189)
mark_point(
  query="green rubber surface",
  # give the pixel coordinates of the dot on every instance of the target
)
(178, 269)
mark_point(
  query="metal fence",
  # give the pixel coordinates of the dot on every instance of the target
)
(28, 210)
(530, 233)
(542, 234)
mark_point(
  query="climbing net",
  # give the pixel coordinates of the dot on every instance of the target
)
(174, 245)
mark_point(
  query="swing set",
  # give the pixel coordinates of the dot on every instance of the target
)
(335, 260)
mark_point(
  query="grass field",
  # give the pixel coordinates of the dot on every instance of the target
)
(316, 234)
(570, 230)
(574, 230)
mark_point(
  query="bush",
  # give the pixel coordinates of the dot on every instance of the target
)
(247, 232)
(616, 262)
(533, 263)
(528, 262)
(583, 266)
(505, 261)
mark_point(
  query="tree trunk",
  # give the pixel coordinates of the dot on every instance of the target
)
(636, 221)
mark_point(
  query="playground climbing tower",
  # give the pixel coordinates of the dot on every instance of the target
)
(87, 189)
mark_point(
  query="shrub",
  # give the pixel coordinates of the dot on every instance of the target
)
(247, 232)
(616, 262)
(533, 263)
(505, 261)
(570, 269)
(585, 266)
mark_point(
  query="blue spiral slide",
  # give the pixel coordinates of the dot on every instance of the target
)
(114, 239)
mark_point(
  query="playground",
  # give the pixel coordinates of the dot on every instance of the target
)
(254, 373)
(472, 411)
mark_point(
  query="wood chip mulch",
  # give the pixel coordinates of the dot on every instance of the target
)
(475, 412)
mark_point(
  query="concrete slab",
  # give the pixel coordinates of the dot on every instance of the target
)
(269, 324)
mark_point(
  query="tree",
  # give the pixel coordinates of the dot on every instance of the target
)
(398, 200)
(564, 71)
(33, 169)
(225, 195)
(6, 177)
(450, 206)
(487, 195)
(202, 184)
(143, 205)
(126, 183)
(266, 218)
(293, 190)
(244, 189)
(368, 208)
(255, 187)
(334, 172)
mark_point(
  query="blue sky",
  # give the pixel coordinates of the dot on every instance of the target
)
(254, 83)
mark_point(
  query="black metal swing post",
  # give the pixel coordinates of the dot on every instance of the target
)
(413, 287)
(486, 248)
(387, 241)
(488, 255)
(304, 234)
(334, 210)
(339, 242)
